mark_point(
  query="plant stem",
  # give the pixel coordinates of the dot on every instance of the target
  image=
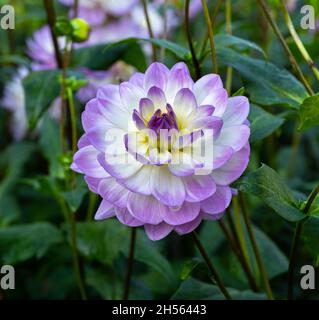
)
(149, 27)
(130, 265)
(290, 55)
(214, 16)
(75, 8)
(76, 262)
(260, 263)
(229, 73)
(49, 8)
(73, 120)
(215, 275)
(295, 243)
(211, 36)
(190, 42)
(70, 219)
(238, 228)
(165, 34)
(240, 257)
(298, 42)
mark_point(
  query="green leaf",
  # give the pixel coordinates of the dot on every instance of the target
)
(189, 267)
(104, 283)
(75, 197)
(12, 162)
(102, 56)
(176, 49)
(226, 40)
(147, 252)
(22, 242)
(262, 123)
(309, 236)
(9, 210)
(268, 84)
(14, 59)
(193, 289)
(51, 146)
(266, 184)
(41, 88)
(309, 113)
(179, 51)
(102, 241)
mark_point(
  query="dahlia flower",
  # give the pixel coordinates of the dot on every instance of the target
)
(140, 149)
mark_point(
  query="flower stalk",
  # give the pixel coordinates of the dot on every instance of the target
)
(214, 274)
(129, 273)
(190, 42)
(211, 36)
(149, 27)
(253, 241)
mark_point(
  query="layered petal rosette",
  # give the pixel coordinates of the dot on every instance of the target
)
(162, 150)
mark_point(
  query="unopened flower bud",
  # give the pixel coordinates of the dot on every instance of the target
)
(80, 30)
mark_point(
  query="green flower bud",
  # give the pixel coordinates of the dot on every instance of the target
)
(81, 30)
(63, 27)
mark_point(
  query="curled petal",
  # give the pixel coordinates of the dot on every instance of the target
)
(146, 208)
(218, 202)
(186, 213)
(105, 211)
(126, 218)
(158, 231)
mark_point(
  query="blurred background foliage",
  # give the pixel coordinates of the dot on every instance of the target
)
(34, 236)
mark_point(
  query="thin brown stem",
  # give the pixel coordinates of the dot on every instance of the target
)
(190, 42)
(290, 55)
(211, 36)
(130, 265)
(253, 241)
(149, 27)
(165, 34)
(76, 8)
(215, 276)
(214, 16)
(250, 277)
(51, 17)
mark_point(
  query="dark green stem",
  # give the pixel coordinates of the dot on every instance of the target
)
(215, 276)
(130, 265)
(190, 42)
(290, 55)
(149, 27)
(51, 17)
(241, 258)
(295, 243)
(214, 16)
(253, 241)
(211, 36)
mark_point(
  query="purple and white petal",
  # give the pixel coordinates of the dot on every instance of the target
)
(158, 231)
(146, 208)
(105, 211)
(218, 202)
